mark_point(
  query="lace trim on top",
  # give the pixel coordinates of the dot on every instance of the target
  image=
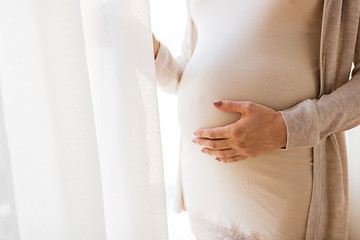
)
(206, 230)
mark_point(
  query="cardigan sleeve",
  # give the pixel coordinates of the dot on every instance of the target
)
(168, 68)
(311, 120)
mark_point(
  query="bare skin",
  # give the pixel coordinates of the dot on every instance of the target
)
(156, 46)
(259, 130)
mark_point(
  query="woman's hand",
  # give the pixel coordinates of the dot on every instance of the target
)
(156, 46)
(259, 130)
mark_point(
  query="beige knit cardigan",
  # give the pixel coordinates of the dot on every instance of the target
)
(319, 123)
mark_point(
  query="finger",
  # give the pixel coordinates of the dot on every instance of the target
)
(232, 159)
(212, 143)
(224, 153)
(213, 133)
(234, 106)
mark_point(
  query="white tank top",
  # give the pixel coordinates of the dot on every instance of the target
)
(265, 51)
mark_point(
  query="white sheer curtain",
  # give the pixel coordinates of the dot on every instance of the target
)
(80, 152)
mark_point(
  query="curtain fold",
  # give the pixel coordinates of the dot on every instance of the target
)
(8, 220)
(80, 122)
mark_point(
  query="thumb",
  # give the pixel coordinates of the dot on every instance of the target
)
(233, 106)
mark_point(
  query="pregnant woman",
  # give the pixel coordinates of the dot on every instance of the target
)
(243, 65)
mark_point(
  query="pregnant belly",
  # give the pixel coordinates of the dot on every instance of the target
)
(268, 194)
(278, 85)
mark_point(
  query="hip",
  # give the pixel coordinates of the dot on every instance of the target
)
(267, 194)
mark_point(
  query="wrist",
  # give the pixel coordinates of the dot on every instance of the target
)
(282, 130)
(156, 48)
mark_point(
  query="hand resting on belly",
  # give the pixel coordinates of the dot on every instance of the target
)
(259, 130)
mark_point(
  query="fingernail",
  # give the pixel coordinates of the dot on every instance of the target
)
(194, 140)
(195, 133)
(217, 103)
(217, 159)
(203, 150)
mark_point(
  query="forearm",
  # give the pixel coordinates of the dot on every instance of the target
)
(314, 119)
(170, 69)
